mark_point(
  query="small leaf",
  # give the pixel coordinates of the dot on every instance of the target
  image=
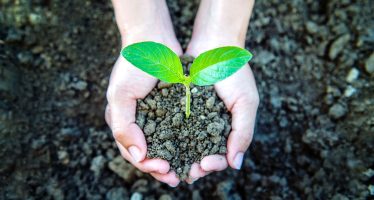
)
(155, 59)
(218, 64)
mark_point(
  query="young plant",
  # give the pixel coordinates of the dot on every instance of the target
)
(208, 68)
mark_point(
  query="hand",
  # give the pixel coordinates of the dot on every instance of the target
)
(217, 24)
(137, 21)
(239, 93)
(127, 84)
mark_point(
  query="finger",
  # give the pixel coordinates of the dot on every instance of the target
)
(170, 178)
(213, 163)
(195, 173)
(147, 165)
(242, 102)
(207, 165)
(239, 138)
(243, 121)
(125, 153)
(120, 115)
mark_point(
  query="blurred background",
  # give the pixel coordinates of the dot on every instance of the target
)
(314, 66)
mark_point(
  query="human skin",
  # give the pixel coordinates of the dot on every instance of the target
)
(224, 23)
(137, 21)
(218, 23)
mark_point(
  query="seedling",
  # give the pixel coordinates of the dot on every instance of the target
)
(208, 68)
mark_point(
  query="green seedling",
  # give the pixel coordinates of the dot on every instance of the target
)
(208, 68)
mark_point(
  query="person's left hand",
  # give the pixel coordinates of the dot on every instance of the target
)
(239, 93)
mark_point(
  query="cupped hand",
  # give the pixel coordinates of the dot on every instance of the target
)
(127, 84)
(240, 96)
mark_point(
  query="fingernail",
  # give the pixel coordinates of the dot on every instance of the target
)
(238, 160)
(173, 185)
(135, 153)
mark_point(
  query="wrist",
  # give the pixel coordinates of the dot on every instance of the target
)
(219, 35)
(220, 23)
(215, 40)
(157, 31)
(204, 43)
(165, 38)
(140, 15)
(145, 20)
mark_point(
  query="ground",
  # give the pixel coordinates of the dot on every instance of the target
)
(314, 138)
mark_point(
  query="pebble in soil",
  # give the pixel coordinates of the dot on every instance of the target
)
(179, 140)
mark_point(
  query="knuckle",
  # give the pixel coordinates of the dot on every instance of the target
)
(245, 140)
(240, 140)
(252, 99)
(155, 176)
(118, 135)
(120, 131)
(244, 143)
(116, 93)
(143, 169)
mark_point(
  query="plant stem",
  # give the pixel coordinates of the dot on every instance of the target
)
(188, 99)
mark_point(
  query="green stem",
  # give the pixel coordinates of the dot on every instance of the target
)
(188, 99)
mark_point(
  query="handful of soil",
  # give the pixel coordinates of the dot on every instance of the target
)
(173, 137)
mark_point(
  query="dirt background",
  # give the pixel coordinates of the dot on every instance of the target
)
(313, 62)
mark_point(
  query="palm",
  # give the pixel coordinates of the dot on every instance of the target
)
(239, 87)
(129, 80)
(239, 93)
(127, 84)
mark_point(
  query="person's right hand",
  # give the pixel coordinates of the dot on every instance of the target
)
(127, 84)
(137, 21)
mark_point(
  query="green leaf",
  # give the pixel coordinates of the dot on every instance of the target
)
(155, 59)
(217, 64)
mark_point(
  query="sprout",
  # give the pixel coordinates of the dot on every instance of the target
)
(207, 69)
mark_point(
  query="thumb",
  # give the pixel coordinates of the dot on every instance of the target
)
(239, 93)
(120, 116)
(243, 121)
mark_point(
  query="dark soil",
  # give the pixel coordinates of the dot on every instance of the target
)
(313, 62)
(177, 139)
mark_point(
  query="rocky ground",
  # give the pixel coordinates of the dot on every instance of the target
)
(313, 62)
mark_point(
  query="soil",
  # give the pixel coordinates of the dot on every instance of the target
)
(313, 62)
(183, 141)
